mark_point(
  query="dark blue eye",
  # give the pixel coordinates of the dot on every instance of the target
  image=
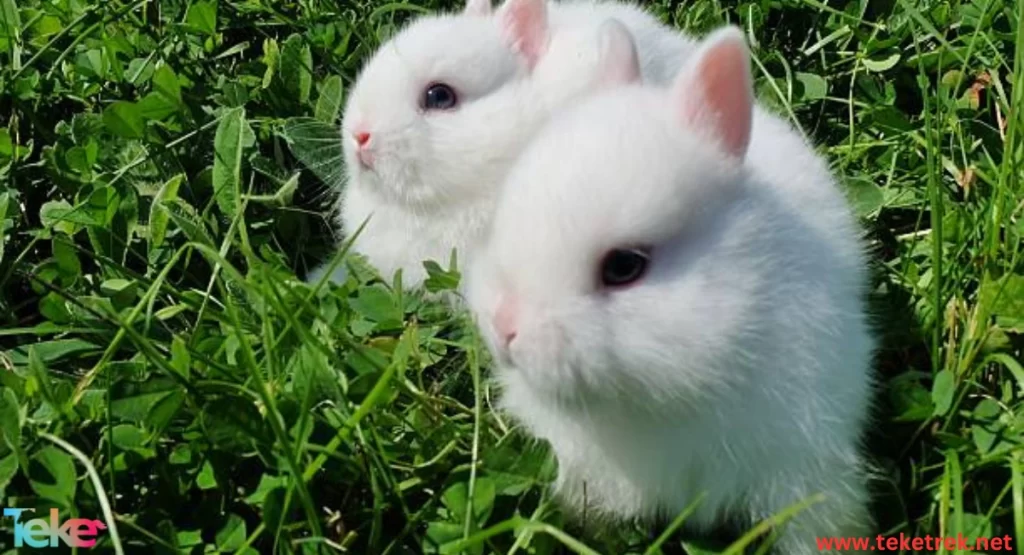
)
(621, 267)
(439, 97)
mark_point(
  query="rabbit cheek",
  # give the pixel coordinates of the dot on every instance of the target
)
(539, 353)
(396, 168)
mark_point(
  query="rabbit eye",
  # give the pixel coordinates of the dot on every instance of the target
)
(622, 267)
(439, 97)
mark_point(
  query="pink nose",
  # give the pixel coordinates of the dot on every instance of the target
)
(362, 137)
(505, 320)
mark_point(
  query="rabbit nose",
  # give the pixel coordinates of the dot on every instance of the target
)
(505, 321)
(362, 137)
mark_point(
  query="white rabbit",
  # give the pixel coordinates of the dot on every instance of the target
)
(442, 109)
(673, 291)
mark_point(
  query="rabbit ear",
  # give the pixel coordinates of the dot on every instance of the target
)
(714, 90)
(619, 62)
(477, 7)
(525, 23)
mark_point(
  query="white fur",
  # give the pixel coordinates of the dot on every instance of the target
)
(738, 367)
(436, 174)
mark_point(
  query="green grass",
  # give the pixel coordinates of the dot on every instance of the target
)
(165, 168)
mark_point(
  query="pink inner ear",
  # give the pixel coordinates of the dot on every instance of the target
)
(526, 26)
(717, 91)
(619, 63)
